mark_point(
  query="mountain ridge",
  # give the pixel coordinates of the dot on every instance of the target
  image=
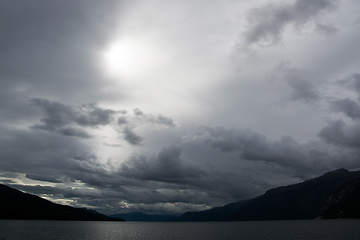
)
(213, 214)
(344, 202)
(298, 201)
(334, 194)
(304, 200)
(15, 204)
(143, 217)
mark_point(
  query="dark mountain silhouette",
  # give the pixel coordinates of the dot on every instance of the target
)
(299, 201)
(15, 204)
(344, 202)
(335, 194)
(214, 214)
(142, 217)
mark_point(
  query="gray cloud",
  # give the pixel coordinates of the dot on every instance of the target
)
(128, 123)
(54, 53)
(131, 137)
(337, 132)
(84, 155)
(347, 106)
(69, 120)
(93, 115)
(304, 159)
(71, 132)
(325, 29)
(300, 82)
(138, 112)
(122, 120)
(23, 152)
(148, 118)
(351, 82)
(165, 121)
(57, 114)
(58, 117)
(334, 132)
(253, 146)
(6, 181)
(110, 201)
(141, 182)
(42, 178)
(167, 166)
(267, 23)
(146, 182)
(167, 178)
(355, 81)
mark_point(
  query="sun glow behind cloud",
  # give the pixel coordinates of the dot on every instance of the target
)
(156, 67)
(132, 57)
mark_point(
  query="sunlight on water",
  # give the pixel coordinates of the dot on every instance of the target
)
(61, 230)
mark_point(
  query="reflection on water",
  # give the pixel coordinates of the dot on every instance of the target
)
(58, 230)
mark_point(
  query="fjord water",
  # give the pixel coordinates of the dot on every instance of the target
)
(279, 230)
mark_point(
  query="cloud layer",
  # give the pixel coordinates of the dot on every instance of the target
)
(268, 22)
(125, 106)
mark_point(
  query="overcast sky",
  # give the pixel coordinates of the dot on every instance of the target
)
(170, 106)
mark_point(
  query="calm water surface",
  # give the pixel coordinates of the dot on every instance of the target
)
(279, 230)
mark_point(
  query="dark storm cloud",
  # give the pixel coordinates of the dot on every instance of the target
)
(304, 159)
(131, 137)
(42, 178)
(68, 120)
(71, 132)
(252, 145)
(167, 166)
(267, 23)
(150, 180)
(96, 116)
(58, 116)
(165, 121)
(298, 80)
(347, 106)
(84, 155)
(337, 132)
(141, 177)
(38, 154)
(53, 52)
(146, 180)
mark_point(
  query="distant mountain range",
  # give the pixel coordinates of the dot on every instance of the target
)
(335, 194)
(142, 217)
(15, 204)
(214, 214)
